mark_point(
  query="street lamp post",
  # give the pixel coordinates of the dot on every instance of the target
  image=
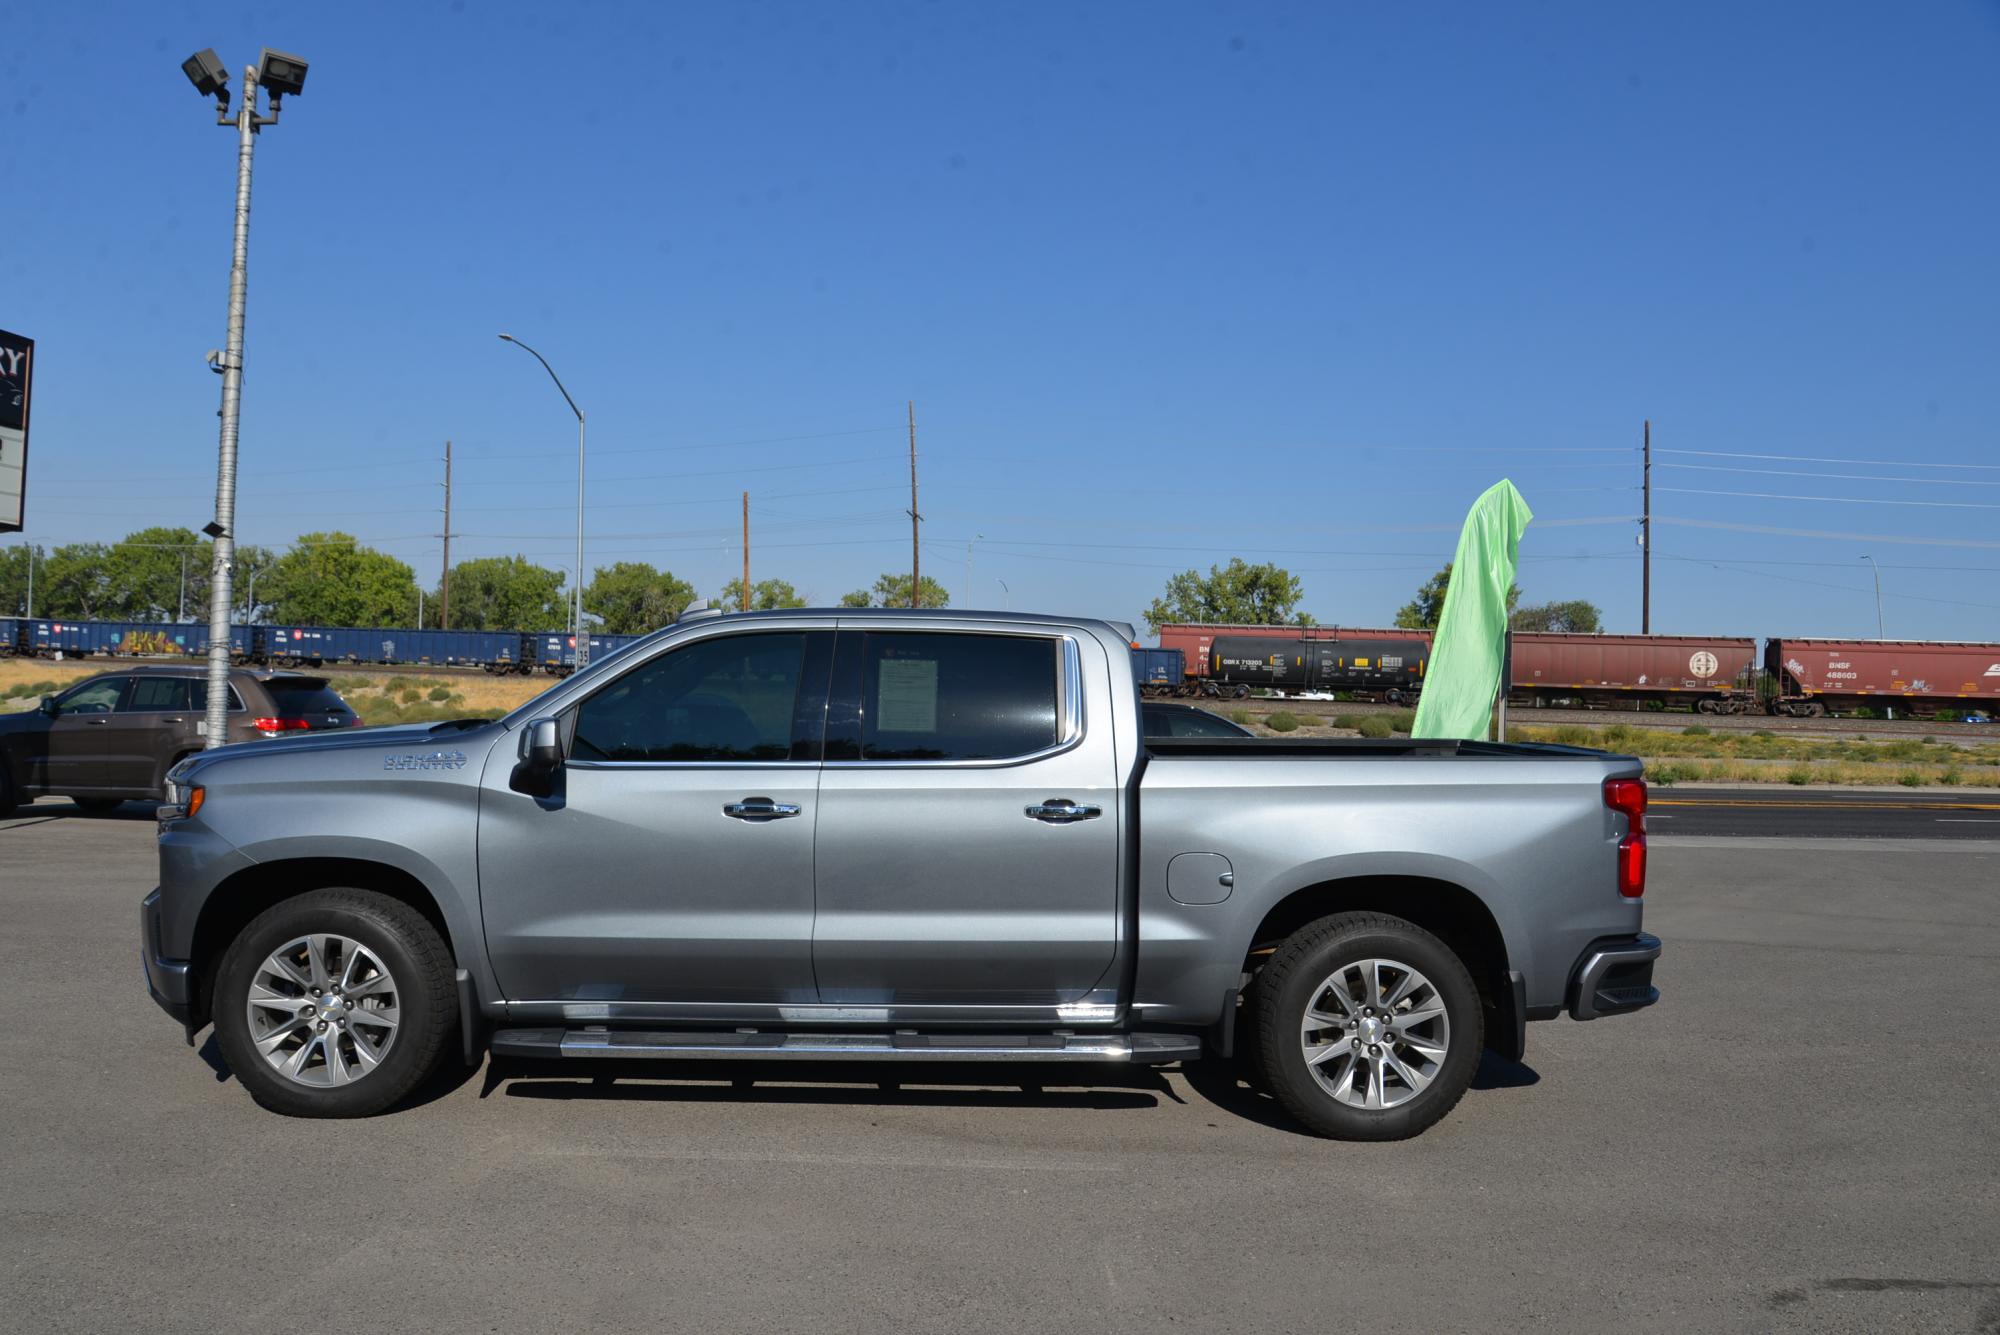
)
(1879, 633)
(279, 75)
(582, 634)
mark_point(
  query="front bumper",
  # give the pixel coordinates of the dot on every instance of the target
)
(166, 980)
(1614, 976)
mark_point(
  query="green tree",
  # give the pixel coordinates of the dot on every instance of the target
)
(1423, 611)
(858, 598)
(70, 582)
(151, 575)
(14, 578)
(633, 597)
(1239, 593)
(893, 590)
(1575, 617)
(508, 593)
(766, 595)
(247, 583)
(329, 579)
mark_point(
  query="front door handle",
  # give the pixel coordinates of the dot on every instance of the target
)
(1061, 811)
(97, 722)
(759, 808)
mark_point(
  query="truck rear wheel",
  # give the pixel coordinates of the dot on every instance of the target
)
(336, 1003)
(1368, 1027)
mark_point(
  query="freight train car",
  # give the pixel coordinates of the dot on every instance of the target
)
(1196, 640)
(1712, 675)
(1816, 677)
(1159, 671)
(1383, 665)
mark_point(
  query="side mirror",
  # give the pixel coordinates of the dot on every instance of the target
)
(542, 748)
(49, 705)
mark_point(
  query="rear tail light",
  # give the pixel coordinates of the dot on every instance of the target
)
(1628, 798)
(271, 727)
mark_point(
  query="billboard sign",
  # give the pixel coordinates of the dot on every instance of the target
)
(17, 367)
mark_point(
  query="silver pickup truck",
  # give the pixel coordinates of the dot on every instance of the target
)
(890, 836)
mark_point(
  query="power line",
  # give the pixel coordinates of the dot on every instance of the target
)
(1827, 533)
(1832, 500)
(1845, 588)
(1842, 477)
(1820, 459)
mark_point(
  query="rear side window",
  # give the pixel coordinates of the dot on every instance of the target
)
(158, 695)
(304, 695)
(728, 698)
(945, 697)
(198, 696)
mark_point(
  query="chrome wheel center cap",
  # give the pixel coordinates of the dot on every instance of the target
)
(1371, 1030)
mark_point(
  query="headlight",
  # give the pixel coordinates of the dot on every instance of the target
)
(183, 800)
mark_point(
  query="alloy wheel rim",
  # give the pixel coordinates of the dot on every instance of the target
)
(1375, 1033)
(324, 1010)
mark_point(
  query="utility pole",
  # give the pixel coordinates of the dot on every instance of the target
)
(916, 560)
(746, 551)
(182, 615)
(29, 611)
(444, 581)
(1646, 540)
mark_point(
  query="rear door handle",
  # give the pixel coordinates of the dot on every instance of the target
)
(759, 808)
(97, 722)
(1062, 811)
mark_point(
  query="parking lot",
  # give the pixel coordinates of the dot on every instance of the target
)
(1801, 1136)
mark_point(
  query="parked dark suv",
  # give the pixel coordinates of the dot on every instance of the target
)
(114, 737)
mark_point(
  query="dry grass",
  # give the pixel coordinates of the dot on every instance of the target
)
(378, 697)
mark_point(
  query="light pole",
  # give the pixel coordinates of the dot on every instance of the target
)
(1878, 597)
(279, 75)
(977, 537)
(1006, 594)
(582, 635)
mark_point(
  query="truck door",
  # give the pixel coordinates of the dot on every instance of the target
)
(968, 829)
(673, 862)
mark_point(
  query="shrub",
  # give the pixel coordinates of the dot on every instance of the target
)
(1347, 720)
(1281, 722)
(1910, 778)
(1668, 773)
(1375, 726)
(1402, 720)
(440, 693)
(1952, 776)
(1798, 774)
(1694, 730)
(410, 695)
(1240, 717)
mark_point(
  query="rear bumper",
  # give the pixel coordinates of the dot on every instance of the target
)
(1614, 976)
(166, 980)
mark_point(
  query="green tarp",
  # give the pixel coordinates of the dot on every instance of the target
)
(1471, 640)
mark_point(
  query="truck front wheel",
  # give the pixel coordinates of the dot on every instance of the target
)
(336, 1003)
(1368, 1027)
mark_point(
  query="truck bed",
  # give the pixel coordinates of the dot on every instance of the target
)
(1354, 748)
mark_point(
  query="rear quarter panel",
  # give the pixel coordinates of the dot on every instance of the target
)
(1529, 836)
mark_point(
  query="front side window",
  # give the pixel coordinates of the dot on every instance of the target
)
(727, 698)
(158, 695)
(93, 697)
(945, 697)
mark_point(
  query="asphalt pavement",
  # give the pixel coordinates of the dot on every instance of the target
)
(1799, 1137)
(1825, 813)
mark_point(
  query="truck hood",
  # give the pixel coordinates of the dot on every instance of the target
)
(398, 737)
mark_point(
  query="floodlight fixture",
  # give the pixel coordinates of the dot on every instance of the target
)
(281, 75)
(207, 73)
(213, 529)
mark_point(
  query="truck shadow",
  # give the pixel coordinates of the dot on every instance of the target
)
(449, 1076)
(1229, 1087)
(945, 1085)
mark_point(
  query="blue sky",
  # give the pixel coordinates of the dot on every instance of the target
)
(1168, 282)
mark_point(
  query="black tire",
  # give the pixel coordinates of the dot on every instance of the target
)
(1291, 982)
(98, 806)
(415, 956)
(7, 799)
